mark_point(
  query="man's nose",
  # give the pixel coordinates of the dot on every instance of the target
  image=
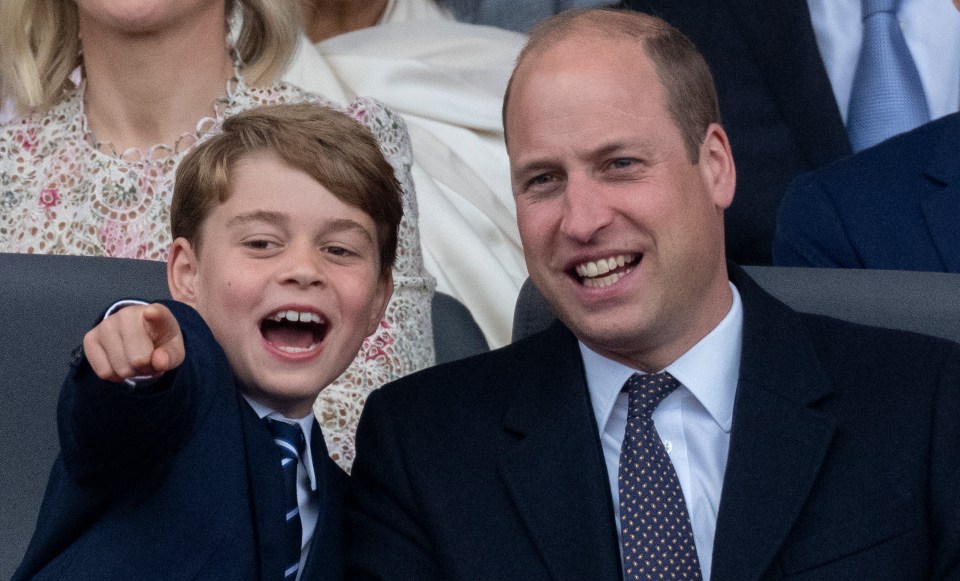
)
(585, 212)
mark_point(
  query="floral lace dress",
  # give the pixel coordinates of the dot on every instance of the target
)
(61, 192)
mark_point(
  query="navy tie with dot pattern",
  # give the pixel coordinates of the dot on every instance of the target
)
(290, 441)
(656, 534)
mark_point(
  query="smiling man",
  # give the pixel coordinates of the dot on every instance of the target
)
(676, 422)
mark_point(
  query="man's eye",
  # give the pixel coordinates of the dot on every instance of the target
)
(622, 163)
(542, 179)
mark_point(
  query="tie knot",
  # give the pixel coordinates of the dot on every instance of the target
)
(288, 437)
(646, 391)
(871, 7)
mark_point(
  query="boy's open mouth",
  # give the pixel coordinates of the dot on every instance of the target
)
(294, 331)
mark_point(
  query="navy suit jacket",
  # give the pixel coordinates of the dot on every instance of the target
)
(776, 103)
(893, 206)
(181, 484)
(844, 461)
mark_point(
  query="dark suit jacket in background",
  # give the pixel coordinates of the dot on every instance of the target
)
(776, 102)
(894, 206)
(176, 485)
(843, 462)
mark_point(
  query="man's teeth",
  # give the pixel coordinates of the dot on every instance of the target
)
(596, 268)
(295, 316)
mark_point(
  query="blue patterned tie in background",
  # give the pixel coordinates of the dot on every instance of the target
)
(887, 96)
(656, 534)
(289, 439)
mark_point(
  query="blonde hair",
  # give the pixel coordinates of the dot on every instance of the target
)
(40, 45)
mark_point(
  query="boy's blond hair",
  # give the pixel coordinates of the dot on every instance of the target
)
(332, 148)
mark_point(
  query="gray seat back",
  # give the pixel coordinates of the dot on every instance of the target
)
(47, 304)
(924, 302)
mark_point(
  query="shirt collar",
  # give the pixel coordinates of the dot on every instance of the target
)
(709, 370)
(306, 424)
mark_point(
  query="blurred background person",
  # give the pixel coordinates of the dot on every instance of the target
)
(786, 77)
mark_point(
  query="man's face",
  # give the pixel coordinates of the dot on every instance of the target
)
(288, 279)
(621, 232)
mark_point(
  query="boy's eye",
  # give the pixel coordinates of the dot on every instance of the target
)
(622, 163)
(339, 251)
(259, 244)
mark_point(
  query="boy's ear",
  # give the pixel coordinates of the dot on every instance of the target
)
(182, 272)
(381, 299)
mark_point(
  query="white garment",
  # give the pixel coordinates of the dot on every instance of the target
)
(931, 29)
(693, 422)
(446, 79)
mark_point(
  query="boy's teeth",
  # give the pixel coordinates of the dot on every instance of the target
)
(295, 317)
(297, 349)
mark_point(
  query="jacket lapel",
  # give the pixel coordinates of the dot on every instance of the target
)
(778, 441)
(554, 470)
(325, 558)
(782, 40)
(942, 207)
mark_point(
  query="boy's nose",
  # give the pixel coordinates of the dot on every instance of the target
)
(303, 266)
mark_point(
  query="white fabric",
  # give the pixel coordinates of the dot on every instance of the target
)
(693, 422)
(446, 79)
(931, 29)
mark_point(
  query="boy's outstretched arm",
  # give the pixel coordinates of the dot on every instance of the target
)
(136, 341)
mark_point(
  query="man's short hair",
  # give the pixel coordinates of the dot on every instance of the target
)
(329, 146)
(682, 70)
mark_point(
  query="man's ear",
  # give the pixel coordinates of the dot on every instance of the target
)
(716, 164)
(380, 301)
(182, 272)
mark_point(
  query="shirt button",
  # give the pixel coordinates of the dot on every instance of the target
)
(668, 446)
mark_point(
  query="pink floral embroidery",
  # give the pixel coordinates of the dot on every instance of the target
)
(27, 139)
(376, 345)
(122, 241)
(49, 198)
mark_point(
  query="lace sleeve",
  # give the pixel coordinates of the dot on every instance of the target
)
(404, 342)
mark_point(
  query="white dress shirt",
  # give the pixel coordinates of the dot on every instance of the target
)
(693, 422)
(931, 29)
(306, 476)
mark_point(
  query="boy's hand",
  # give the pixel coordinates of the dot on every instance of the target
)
(139, 340)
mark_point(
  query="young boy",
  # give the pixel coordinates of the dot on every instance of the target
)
(189, 450)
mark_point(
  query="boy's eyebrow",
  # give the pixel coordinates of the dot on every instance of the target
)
(346, 224)
(278, 219)
(257, 216)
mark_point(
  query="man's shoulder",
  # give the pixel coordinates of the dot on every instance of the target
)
(484, 379)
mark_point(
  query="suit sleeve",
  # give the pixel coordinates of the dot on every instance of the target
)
(385, 536)
(810, 230)
(110, 432)
(945, 472)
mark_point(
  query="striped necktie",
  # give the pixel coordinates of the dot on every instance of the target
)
(887, 96)
(291, 443)
(656, 534)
